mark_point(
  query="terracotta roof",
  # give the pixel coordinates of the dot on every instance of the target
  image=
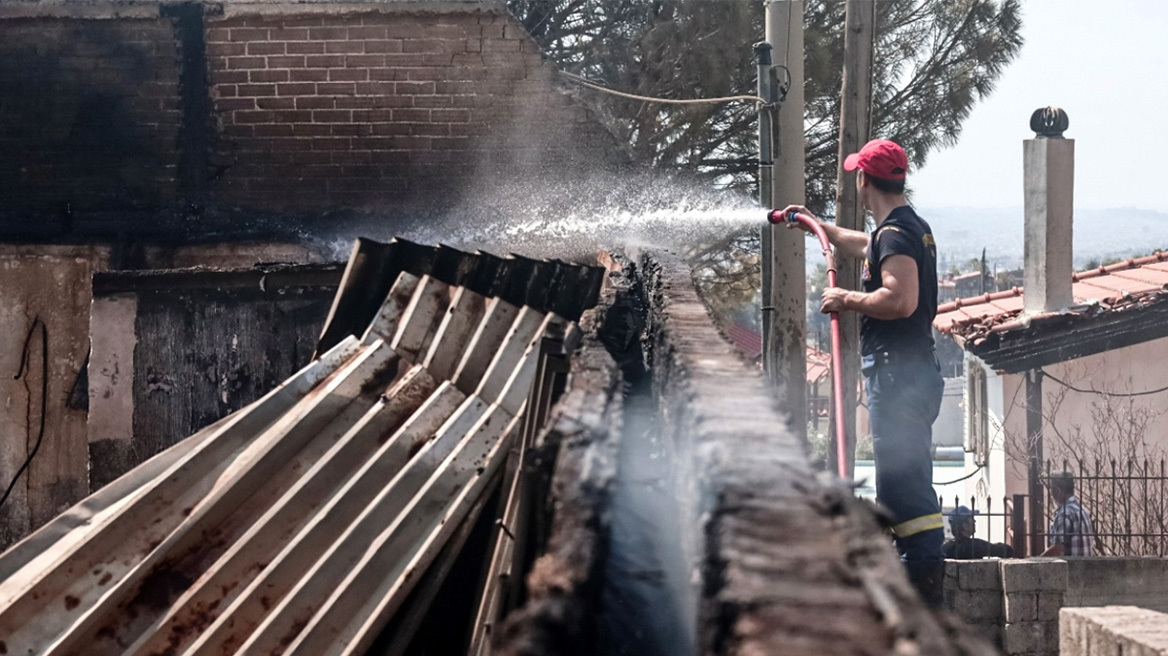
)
(1127, 284)
(747, 340)
(750, 343)
(967, 276)
(818, 365)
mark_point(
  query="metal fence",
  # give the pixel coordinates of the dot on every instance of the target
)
(1126, 500)
(995, 522)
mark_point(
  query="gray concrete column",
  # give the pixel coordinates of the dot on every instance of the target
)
(1049, 172)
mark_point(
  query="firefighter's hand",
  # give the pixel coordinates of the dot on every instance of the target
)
(834, 300)
(801, 210)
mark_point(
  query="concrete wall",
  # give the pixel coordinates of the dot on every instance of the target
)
(51, 284)
(168, 118)
(1074, 428)
(1113, 631)
(175, 351)
(1139, 582)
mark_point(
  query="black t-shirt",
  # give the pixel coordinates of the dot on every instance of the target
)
(902, 233)
(974, 548)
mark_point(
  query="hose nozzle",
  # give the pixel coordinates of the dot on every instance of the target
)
(777, 216)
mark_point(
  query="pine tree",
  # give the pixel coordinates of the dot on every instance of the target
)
(934, 60)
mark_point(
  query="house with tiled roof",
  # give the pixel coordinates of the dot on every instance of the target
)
(1090, 377)
(749, 343)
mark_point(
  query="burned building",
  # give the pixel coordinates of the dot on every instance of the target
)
(148, 135)
(185, 413)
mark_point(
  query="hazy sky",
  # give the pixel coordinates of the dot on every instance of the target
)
(1105, 63)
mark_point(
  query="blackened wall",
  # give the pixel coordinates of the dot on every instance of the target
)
(185, 118)
(89, 118)
(204, 344)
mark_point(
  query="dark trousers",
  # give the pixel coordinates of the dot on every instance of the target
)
(904, 398)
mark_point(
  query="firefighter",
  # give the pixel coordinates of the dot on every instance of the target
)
(897, 305)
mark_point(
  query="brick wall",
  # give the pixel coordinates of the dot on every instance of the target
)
(368, 109)
(309, 107)
(89, 116)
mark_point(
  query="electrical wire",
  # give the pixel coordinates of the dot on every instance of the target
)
(1102, 392)
(585, 82)
(22, 371)
(958, 480)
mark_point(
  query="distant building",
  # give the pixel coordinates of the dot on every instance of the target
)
(1092, 356)
(946, 430)
(972, 284)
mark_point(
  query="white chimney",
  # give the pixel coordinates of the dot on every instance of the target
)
(1048, 164)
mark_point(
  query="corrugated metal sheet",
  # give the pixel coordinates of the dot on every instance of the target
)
(301, 523)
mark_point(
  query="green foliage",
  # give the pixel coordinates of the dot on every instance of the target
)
(934, 60)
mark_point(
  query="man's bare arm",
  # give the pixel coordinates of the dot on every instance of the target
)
(897, 299)
(849, 243)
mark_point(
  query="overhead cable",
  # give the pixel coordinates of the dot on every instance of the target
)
(585, 82)
(1104, 392)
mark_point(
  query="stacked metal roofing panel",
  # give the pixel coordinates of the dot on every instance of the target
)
(300, 524)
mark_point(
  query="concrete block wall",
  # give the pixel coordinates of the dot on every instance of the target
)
(1113, 631)
(973, 590)
(1015, 603)
(1033, 591)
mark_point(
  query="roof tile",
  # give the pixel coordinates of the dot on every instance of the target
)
(1110, 287)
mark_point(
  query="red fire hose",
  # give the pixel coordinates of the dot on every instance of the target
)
(837, 379)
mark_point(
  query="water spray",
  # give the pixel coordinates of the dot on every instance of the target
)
(837, 379)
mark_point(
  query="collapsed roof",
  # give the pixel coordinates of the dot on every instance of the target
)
(302, 523)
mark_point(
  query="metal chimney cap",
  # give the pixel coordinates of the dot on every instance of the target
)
(1049, 122)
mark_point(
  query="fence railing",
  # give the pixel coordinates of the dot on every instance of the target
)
(1005, 525)
(1126, 500)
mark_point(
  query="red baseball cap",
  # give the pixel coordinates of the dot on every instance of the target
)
(879, 158)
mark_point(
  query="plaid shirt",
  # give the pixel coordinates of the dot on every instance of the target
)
(1072, 527)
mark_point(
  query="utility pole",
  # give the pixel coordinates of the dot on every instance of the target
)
(855, 128)
(784, 298)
